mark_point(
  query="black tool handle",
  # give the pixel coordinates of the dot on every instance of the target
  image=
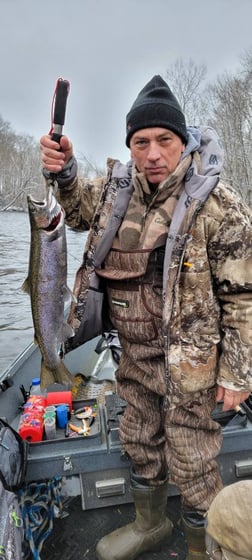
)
(59, 113)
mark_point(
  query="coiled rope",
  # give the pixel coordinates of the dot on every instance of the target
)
(40, 503)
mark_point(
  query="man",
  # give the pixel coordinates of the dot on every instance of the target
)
(178, 286)
(229, 523)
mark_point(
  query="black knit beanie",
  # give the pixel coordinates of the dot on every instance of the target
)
(156, 105)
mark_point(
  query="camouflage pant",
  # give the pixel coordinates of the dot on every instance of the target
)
(183, 440)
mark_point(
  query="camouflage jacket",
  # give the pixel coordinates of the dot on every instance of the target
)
(208, 305)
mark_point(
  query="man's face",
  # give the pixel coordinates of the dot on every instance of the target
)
(156, 152)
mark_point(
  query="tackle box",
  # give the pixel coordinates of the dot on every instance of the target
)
(104, 471)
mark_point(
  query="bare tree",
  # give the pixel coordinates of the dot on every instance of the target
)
(19, 167)
(232, 118)
(187, 81)
(227, 106)
(89, 168)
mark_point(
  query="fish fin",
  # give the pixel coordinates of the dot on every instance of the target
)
(26, 286)
(60, 374)
(67, 331)
(63, 375)
(69, 295)
(47, 376)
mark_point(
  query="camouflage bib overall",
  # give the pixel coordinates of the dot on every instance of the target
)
(156, 441)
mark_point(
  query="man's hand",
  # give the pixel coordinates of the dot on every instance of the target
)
(53, 155)
(230, 398)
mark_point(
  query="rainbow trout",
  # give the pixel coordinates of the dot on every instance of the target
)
(47, 286)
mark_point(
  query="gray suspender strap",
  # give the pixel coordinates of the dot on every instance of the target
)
(125, 187)
(92, 321)
(199, 189)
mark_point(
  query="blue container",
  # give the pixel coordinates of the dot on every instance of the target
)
(62, 415)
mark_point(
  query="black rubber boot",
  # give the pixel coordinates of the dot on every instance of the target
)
(148, 532)
(194, 528)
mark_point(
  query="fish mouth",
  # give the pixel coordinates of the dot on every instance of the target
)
(46, 214)
(54, 222)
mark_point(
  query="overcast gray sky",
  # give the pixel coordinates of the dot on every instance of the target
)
(108, 50)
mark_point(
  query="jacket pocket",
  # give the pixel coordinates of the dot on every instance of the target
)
(197, 369)
(199, 311)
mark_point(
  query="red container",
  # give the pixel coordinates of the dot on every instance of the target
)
(31, 425)
(32, 430)
(35, 402)
(59, 397)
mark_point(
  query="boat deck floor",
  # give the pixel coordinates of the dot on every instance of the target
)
(77, 531)
(76, 534)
